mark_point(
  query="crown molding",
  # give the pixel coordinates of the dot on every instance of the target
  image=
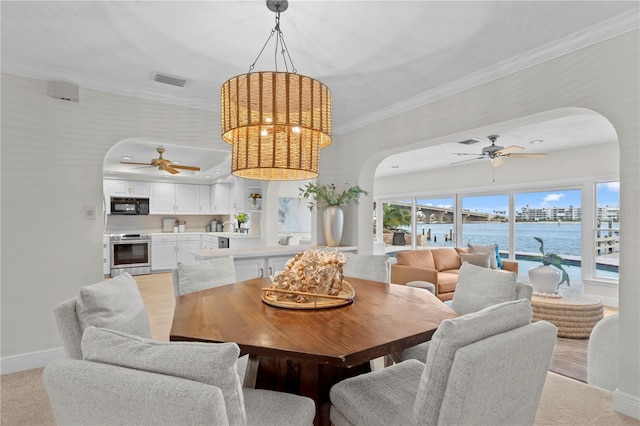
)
(605, 30)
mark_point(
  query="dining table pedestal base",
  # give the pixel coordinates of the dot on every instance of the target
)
(307, 378)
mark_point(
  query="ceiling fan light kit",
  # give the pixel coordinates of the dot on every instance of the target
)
(276, 122)
(496, 153)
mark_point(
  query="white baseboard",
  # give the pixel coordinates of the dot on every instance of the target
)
(30, 360)
(606, 301)
(626, 404)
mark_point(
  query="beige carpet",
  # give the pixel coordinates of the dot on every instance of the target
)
(564, 402)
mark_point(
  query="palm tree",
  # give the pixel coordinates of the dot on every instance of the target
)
(394, 216)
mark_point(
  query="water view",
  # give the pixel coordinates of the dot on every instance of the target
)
(562, 238)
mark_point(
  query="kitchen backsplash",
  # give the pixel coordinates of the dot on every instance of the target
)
(123, 224)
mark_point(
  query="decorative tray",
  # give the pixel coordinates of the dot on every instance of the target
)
(317, 301)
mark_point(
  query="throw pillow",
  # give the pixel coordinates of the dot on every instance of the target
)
(491, 249)
(209, 363)
(478, 259)
(455, 333)
(115, 304)
(204, 274)
(480, 287)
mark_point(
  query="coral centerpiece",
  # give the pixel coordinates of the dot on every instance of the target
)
(312, 271)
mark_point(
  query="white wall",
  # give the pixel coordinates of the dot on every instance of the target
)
(52, 159)
(604, 78)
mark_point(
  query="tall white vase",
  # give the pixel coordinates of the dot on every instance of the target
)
(333, 221)
(544, 279)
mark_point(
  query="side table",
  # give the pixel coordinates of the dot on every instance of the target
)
(574, 314)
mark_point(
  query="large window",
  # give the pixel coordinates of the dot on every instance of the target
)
(555, 217)
(607, 235)
(485, 220)
(512, 220)
(435, 225)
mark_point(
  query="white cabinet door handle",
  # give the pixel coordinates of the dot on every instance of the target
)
(261, 272)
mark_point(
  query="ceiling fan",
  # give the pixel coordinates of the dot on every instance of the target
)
(495, 153)
(164, 164)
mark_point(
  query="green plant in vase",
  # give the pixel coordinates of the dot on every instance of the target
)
(328, 197)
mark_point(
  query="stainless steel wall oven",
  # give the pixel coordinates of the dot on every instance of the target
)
(130, 253)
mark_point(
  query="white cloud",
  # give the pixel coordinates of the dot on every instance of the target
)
(551, 198)
(613, 187)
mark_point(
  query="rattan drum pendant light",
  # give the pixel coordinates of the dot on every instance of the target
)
(276, 122)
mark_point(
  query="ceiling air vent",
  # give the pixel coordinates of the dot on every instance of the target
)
(169, 79)
(470, 141)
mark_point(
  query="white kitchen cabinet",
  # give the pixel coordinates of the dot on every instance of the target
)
(123, 188)
(171, 198)
(163, 198)
(276, 264)
(209, 242)
(106, 255)
(237, 196)
(163, 252)
(220, 198)
(205, 199)
(187, 199)
(185, 245)
(258, 267)
(168, 250)
(247, 269)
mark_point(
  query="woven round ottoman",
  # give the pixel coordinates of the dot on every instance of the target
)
(574, 314)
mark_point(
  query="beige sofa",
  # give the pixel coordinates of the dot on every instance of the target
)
(439, 266)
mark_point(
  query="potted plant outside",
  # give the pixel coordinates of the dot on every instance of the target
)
(392, 218)
(544, 278)
(327, 197)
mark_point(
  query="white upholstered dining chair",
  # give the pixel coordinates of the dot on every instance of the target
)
(477, 288)
(203, 274)
(125, 379)
(483, 368)
(373, 267)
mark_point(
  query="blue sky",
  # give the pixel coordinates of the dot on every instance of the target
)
(607, 195)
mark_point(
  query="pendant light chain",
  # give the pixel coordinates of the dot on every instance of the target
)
(279, 42)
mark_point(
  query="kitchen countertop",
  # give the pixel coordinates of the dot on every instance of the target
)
(213, 234)
(271, 251)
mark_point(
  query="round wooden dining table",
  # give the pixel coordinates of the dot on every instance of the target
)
(306, 351)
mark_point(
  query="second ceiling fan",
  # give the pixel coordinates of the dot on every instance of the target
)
(164, 164)
(495, 153)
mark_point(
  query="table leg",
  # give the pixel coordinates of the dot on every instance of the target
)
(251, 373)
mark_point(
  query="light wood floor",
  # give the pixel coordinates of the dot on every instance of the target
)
(569, 358)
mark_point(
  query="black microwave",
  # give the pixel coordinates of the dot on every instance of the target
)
(129, 205)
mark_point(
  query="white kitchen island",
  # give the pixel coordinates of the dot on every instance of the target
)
(257, 262)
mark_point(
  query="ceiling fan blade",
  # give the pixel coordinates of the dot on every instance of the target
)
(464, 153)
(509, 150)
(497, 162)
(175, 166)
(525, 155)
(464, 161)
(170, 170)
(139, 164)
